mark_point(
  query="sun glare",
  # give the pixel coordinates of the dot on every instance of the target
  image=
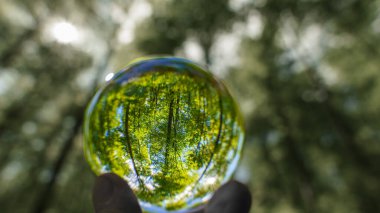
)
(65, 32)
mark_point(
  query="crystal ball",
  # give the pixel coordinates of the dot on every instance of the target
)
(169, 128)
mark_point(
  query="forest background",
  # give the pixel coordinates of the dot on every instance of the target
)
(305, 74)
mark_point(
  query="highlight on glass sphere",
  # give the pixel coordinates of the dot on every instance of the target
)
(169, 128)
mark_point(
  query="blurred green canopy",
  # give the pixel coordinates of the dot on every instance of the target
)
(306, 75)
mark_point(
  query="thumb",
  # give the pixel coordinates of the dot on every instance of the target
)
(111, 194)
(232, 197)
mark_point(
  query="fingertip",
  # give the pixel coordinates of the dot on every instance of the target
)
(232, 197)
(112, 194)
(103, 189)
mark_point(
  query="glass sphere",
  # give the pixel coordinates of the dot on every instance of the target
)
(169, 128)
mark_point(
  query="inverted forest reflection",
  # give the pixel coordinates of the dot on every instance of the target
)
(169, 128)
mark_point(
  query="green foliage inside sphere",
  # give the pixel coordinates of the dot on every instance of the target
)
(169, 128)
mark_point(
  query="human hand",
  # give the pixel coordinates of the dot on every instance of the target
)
(112, 194)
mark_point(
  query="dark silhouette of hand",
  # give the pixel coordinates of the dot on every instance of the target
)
(112, 194)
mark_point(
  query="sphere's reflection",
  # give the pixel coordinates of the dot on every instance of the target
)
(169, 128)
